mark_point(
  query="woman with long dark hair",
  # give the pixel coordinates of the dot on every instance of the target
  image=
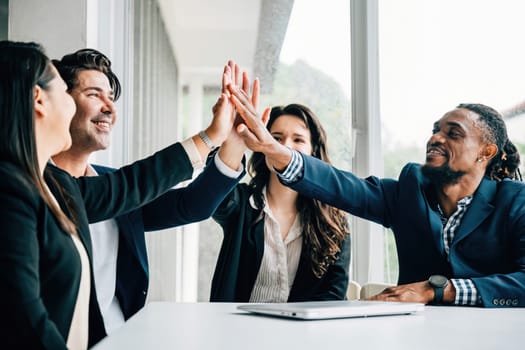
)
(278, 245)
(47, 296)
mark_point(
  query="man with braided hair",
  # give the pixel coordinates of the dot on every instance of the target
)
(458, 220)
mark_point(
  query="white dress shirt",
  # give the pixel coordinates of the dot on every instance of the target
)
(105, 239)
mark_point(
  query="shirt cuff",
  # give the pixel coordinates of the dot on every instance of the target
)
(466, 292)
(294, 170)
(226, 170)
(193, 154)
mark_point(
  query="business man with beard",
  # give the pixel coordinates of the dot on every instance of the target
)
(458, 220)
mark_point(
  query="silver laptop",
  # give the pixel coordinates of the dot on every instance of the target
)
(317, 310)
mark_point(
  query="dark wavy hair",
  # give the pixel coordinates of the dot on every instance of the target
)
(86, 59)
(505, 164)
(23, 66)
(324, 227)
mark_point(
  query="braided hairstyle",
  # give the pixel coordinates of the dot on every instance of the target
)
(505, 164)
(86, 59)
(324, 227)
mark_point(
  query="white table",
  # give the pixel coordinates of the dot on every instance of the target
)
(163, 325)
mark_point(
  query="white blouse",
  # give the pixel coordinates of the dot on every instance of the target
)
(280, 259)
(78, 331)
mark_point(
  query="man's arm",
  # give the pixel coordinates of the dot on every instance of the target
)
(200, 199)
(192, 203)
(418, 292)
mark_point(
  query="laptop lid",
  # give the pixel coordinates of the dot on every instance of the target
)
(317, 310)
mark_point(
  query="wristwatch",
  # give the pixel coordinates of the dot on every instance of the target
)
(438, 282)
(204, 137)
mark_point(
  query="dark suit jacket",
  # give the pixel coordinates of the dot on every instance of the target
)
(39, 265)
(489, 245)
(242, 251)
(192, 203)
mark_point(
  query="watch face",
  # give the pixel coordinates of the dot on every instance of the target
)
(438, 281)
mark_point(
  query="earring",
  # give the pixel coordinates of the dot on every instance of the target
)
(479, 160)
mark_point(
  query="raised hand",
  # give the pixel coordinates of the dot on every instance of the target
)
(232, 150)
(253, 130)
(224, 110)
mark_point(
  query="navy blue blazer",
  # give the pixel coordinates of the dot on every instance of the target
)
(181, 206)
(489, 245)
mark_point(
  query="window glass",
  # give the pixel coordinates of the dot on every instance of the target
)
(314, 70)
(435, 54)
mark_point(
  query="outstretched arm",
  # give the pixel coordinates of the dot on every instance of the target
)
(193, 203)
(186, 205)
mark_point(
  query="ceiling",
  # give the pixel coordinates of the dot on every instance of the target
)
(206, 33)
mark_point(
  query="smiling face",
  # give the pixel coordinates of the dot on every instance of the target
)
(456, 145)
(91, 126)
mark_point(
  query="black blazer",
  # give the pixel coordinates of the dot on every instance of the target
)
(40, 267)
(181, 206)
(241, 255)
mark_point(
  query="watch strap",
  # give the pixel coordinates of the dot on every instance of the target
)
(204, 137)
(438, 295)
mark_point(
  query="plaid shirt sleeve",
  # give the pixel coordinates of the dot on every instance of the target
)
(466, 292)
(294, 170)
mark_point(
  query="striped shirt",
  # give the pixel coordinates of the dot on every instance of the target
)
(294, 170)
(466, 292)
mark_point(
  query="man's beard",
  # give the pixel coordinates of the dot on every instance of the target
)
(442, 175)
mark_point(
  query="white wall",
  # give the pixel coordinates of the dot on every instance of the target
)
(59, 25)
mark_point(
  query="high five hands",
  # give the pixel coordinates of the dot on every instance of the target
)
(233, 148)
(252, 130)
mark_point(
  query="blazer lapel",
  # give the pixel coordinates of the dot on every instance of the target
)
(302, 282)
(129, 235)
(479, 209)
(434, 218)
(259, 244)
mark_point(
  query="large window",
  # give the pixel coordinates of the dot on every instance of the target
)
(314, 70)
(435, 54)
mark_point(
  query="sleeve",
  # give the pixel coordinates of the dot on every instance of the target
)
(335, 282)
(371, 198)
(133, 186)
(507, 289)
(195, 202)
(193, 153)
(294, 170)
(466, 292)
(25, 320)
(226, 170)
